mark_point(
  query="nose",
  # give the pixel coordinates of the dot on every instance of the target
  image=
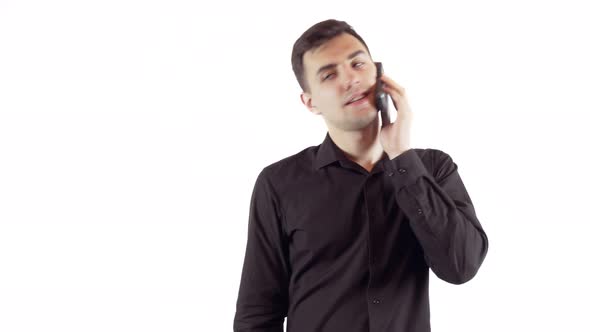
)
(351, 78)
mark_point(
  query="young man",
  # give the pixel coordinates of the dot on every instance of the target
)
(341, 236)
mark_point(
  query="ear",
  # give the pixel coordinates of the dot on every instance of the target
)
(306, 100)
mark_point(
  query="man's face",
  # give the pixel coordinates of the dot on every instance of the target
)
(337, 72)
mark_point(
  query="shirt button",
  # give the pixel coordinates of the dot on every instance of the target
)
(376, 301)
(402, 170)
(390, 174)
(419, 211)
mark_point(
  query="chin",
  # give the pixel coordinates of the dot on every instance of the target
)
(362, 123)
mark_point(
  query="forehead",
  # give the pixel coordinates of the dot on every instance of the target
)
(336, 49)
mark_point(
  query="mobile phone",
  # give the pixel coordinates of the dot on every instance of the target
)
(381, 102)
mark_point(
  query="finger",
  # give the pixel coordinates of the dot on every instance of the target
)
(395, 93)
(398, 99)
(388, 81)
(400, 91)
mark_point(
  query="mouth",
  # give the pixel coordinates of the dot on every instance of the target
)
(359, 99)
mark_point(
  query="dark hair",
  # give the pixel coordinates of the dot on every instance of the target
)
(314, 37)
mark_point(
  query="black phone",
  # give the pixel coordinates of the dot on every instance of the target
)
(381, 101)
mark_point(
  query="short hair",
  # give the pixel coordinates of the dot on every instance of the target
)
(314, 37)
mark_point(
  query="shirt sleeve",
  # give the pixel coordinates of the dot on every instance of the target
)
(441, 214)
(262, 302)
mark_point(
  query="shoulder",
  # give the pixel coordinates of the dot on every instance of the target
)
(291, 167)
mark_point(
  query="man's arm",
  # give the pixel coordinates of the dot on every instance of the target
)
(441, 214)
(262, 302)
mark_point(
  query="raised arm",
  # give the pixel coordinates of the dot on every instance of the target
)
(440, 213)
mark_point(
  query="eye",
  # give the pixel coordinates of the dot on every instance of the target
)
(327, 76)
(358, 64)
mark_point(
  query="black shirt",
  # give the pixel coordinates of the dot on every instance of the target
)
(336, 248)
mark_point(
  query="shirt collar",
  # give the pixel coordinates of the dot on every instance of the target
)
(329, 152)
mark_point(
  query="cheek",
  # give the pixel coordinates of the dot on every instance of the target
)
(330, 96)
(330, 102)
(327, 97)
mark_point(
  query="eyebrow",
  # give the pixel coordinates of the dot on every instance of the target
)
(332, 65)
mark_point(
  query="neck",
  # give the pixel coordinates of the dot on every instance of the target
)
(362, 146)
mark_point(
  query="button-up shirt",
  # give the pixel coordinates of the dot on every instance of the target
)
(336, 248)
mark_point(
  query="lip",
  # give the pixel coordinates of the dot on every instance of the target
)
(366, 93)
(361, 102)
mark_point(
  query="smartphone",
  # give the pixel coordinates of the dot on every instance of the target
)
(381, 101)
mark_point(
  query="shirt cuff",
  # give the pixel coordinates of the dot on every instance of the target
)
(405, 169)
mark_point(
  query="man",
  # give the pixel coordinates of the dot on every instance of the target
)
(341, 235)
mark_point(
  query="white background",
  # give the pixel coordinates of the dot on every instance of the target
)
(131, 134)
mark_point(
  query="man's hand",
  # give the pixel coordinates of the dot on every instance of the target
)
(395, 137)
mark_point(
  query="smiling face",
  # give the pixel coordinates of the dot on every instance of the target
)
(336, 73)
